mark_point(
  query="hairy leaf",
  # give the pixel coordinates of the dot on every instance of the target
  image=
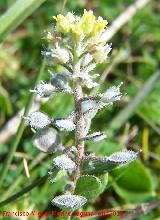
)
(16, 15)
(88, 186)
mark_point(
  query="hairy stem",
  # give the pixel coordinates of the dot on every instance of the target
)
(79, 134)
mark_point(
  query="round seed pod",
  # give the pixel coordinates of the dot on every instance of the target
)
(64, 124)
(38, 120)
(123, 157)
(63, 162)
(46, 140)
(72, 202)
(44, 90)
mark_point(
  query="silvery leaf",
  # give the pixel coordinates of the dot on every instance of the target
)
(87, 59)
(90, 113)
(46, 140)
(90, 84)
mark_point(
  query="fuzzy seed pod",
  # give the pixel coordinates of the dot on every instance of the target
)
(44, 90)
(38, 120)
(112, 94)
(63, 162)
(46, 140)
(72, 202)
(64, 124)
(123, 157)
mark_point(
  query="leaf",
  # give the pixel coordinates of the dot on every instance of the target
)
(106, 147)
(88, 186)
(104, 181)
(135, 185)
(44, 90)
(121, 157)
(112, 94)
(99, 167)
(16, 14)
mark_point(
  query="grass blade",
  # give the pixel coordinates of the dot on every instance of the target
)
(16, 14)
(24, 190)
(20, 130)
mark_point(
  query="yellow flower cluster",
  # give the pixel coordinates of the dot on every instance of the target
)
(80, 27)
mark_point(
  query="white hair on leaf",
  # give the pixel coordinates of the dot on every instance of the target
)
(44, 90)
(38, 120)
(123, 157)
(72, 202)
(64, 124)
(46, 140)
(112, 94)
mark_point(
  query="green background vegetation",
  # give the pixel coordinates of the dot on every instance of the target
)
(132, 123)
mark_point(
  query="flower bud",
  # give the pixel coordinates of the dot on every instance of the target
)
(102, 52)
(60, 54)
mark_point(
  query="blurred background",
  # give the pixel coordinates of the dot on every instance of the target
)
(133, 123)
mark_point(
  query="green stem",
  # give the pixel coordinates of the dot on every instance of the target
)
(20, 129)
(24, 190)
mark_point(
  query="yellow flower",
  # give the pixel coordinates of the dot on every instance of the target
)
(77, 33)
(88, 21)
(99, 26)
(63, 23)
(80, 27)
